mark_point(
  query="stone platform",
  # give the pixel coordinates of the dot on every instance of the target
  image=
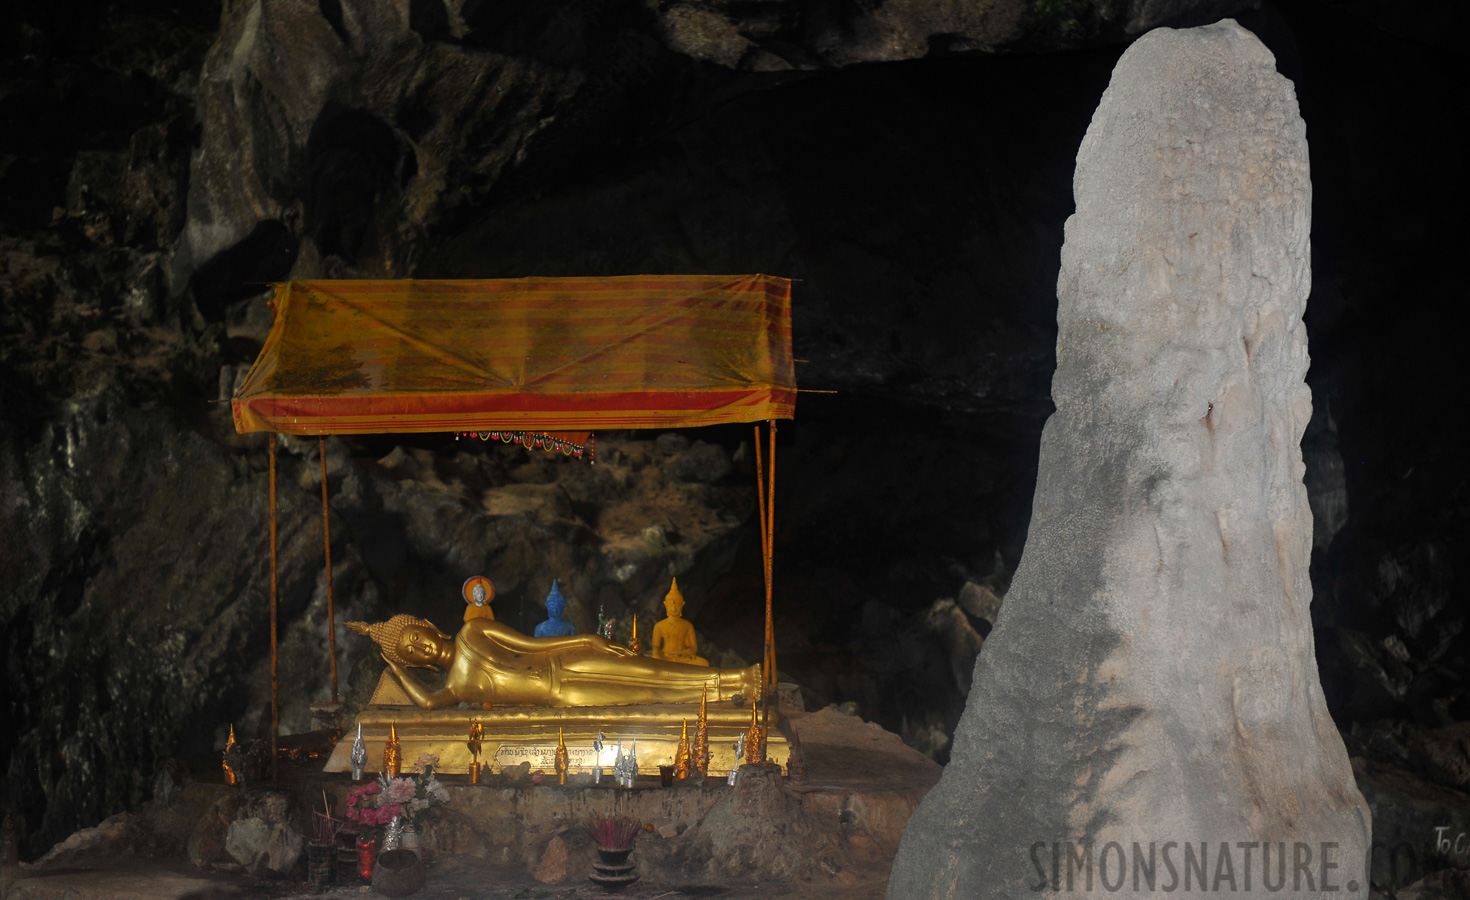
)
(833, 835)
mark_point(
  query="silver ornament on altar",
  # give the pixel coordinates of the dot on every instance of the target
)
(739, 752)
(597, 744)
(393, 834)
(359, 755)
(625, 769)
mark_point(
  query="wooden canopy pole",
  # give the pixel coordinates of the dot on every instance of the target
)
(767, 492)
(327, 543)
(275, 683)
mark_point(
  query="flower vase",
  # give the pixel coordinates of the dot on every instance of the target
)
(410, 840)
(367, 856)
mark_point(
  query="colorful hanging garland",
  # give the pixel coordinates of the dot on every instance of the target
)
(537, 440)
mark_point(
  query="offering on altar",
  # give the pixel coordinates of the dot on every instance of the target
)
(488, 662)
(701, 739)
(233, 763)
(681, 755)
(392, 753)
(673, 638)
(563, 759)
(755, 740)
(474, 745)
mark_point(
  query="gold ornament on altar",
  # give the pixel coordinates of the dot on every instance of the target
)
(681, 756)
(488, 662)
(674, 638)
(392, 753)
(231, 761)
(477, 736)
(755, 740)
(563, 758)
(634, 645)
(701, 739)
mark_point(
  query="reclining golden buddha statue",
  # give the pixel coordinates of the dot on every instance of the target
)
(491, 663)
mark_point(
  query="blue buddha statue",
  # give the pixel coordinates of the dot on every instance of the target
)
(555, 625)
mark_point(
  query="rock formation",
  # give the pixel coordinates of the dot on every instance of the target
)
(1152, 676)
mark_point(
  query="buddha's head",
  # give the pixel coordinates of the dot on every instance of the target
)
(674, 601)
(555, 603)
(409, 640)
(479, 594)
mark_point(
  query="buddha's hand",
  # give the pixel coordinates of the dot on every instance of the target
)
(597, 642)
(397, 668)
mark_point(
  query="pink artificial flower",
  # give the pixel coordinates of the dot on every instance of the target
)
(401, 790)
(370, 816)
(375, 787)
(391, 810)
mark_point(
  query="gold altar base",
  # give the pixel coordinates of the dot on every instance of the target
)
(518, 734)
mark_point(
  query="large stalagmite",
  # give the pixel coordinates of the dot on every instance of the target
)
(1152, 678)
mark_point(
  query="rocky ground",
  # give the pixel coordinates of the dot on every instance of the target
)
(833, 830)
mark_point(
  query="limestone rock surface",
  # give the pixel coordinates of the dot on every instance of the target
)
(1151, 676)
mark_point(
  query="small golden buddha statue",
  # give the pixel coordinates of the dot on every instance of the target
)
(681, 755)
(563, 758)
(488, 662)
(673, 638)
(392, 753)
(478, 591)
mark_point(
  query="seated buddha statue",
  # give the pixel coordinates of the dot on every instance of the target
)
(488, 662)
(478, 591)
(555, 625)
(673, 638)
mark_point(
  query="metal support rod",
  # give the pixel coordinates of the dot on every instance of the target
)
(760, 481)
(275, 682)
(770, 555)
(771, 678)
(327, 544)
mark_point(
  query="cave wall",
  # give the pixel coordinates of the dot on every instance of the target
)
(160, 165)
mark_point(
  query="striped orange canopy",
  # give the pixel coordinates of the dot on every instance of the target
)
(523, 354)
